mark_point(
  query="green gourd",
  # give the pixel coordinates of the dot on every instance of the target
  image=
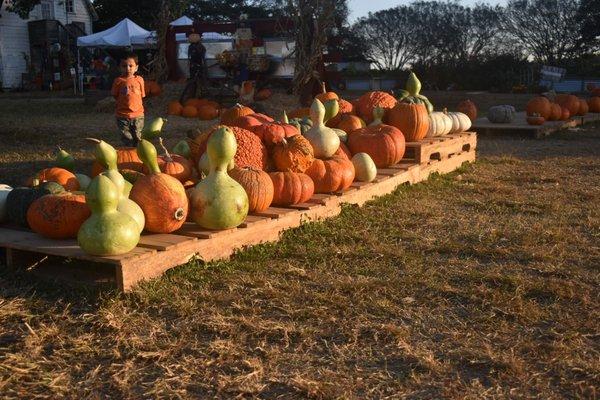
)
(324, 140)
(204, 164)
(302, 124)
(64, 160)
(107, 156)
(378, 114)
(107, 231)
(413, 85)
(84, 181)
(218, 201)
(183, 149)
(332, 108)
(153, 129)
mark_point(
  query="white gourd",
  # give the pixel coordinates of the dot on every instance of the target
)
(460, 122)
(439, 124)
(364, 167)
(325, 141)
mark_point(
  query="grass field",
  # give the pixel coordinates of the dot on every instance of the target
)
(479, 284)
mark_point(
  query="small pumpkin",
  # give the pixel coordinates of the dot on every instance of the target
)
(274, 132)
(291, 188)
(469, 108)
(412, 120)
(583, 108)
(539, 105)
(174, 108)
(65, 178)
(208, 112)
(325, 95)
(331, 175)
(565, 115)
(127, 158)
(58, 216)
(384, 143)
(503, 114)
(258, 186)
(535, 119)
(364, 167)
(174, 165)
(293, 154)
(189, 112)
(594, 104)
(569, 102)
(556, 112)
(349, 123)
(229, 116)
(368, 101)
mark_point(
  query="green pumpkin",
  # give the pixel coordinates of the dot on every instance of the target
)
(218, 201)
(65, 160)
(107, 231)
(19, 200)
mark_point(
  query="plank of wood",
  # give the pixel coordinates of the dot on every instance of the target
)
(275, 212)
(253, 220)
(305, 206)
(163, 241)
(321, 198)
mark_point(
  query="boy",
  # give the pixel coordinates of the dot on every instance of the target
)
(128, 91)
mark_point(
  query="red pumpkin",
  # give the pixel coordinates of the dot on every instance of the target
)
(535, 119)
(174, 108)
(384, 143)
(258, 186)
(469, 108)
(569, 102)
(127, 158)
(231, 114)
(594, 104)
(58, 216)
(539, 105)
(59, 175)
(274, 132)
(583, 108)
(368, 101)
(331, 175)
(251, 121)
(291, 188)
(411, 119)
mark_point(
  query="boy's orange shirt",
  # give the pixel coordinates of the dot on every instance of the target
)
(128, 93)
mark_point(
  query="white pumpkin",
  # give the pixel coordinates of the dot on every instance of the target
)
(364, 167)
(439, 124)
(325, 141)
(460, 122)
(4, 191)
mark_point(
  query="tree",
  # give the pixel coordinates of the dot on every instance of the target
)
(144, 13)
(230, 10)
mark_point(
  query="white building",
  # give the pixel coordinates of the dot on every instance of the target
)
(60, 16)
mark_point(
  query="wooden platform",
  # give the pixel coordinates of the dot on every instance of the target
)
(157, 253)
(520, 127)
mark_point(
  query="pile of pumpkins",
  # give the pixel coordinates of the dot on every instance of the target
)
(202, 109)
(246, 164)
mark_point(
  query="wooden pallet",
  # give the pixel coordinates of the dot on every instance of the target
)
(440, 148)
(157, 253)
(520, 126)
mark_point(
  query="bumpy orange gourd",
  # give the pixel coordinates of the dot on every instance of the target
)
(127, 158)
(291, 188)
(293, 154)
(384, 143)
(231, 114)
(258, 186)
(58, 216)
(368, 101)
(174, 108)
(594, 104)
(539, 105)
(412, 120)
(469, 108)
(569, 102)
(65, 178)
(274, 132)
(331, 175)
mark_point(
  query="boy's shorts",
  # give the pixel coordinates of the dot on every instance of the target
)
(131, 130)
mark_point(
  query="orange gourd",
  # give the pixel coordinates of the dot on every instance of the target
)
(61, 176)
(412, 120)
(58, 216)
(291, 188)
(258, 186)
(331, 175)
(294, 154)
(539, 105)
(384, 143)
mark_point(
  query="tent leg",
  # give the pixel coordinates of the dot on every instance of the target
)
(79, 74)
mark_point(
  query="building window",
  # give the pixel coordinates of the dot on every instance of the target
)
(70, 6)
(47, 10)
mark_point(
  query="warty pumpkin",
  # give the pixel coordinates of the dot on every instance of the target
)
(291, 188)
(384, 143)
(251, 121)
(258, 186)
(272, 133)
(368, 101)
(293, 154)
(331, 175)
(229, 116)
(412, 120)
(58, 216)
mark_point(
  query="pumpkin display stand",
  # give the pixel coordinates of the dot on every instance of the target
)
(519, 126)
(156, 253)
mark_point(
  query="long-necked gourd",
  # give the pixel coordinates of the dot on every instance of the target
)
(107, 156)
(107, 231)
(218, 201)
(324, 140)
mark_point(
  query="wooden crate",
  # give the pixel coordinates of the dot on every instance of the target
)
(157, 253)
(440, 148)
(520, 126)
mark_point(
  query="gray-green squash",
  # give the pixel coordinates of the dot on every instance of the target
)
(503, 114)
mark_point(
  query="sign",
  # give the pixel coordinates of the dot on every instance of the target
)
(552, 74)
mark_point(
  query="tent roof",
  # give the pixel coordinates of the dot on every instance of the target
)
(182, 21)
(119, 35)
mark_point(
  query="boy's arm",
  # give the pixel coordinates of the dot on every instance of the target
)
(143, 87)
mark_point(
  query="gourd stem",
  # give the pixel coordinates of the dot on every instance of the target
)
(167, 154)
(323, 88)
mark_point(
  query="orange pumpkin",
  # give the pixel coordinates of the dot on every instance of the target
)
(343, 151)
(583, 108)
(194, 102)
(569, 102)
(258, 186)
(152, 88)
(349, 123)
(59, 175)
(229, 116)
(189, 112)
(299, 113)
(594, 104)
(346, 108)
(274, 132)
(291, 188)
(469, 108)
(565, 115)
(384, 143)
(174, 165)
(174, 108)
(331, 175)
(539, 105)
(325, 95)
(127, 158)
(368, 101)
(411, 119)
(535, 119)
(263, 94)
(556, 112)
(251, 121)
(58, 216)
(207, 112)
(293, 154)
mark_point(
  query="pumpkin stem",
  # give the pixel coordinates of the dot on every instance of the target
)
(323, 88)
(285, 118)
(167, 154)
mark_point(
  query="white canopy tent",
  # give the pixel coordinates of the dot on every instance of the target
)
(120, 35)
(182, 21)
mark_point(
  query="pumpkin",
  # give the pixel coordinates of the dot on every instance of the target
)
(251, 121)
(160, 196)
(469, 108)
(299, 113)
(65, 178)
(569, 102)
(501, 114)
(274, 132)
(4, 191)
(127, 158)
(263, 94)
(19, 199)
(565, 114)
(331, 175)
(58, 216)
(229, 116)
(324, 140)
(218, 201)
(291, 188)
(556, 112)
(174, 165)
(152, 88)
(251, 152)
(583, 108)
(107, 231)
(594, 104)
(349, 123)
(412, 120)
(293, 154)
(535, 119)
(64, 160)
(364, 167)
(440, 124)
(195, 102)
(302, 124)
(344, 108)
(208, 112)
(539, 105)
(189, 112)
(384, 143)
(325, 95)
(174, 108)
(343, 151)
(258, 186)
(368, 101)
(460, 122)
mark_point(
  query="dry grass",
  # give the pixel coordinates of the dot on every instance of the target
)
(480, 284)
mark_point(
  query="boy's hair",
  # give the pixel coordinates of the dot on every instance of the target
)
(130, 55)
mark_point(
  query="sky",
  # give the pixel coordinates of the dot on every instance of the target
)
(360, 8)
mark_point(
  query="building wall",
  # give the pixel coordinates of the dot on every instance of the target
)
(14, 37)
